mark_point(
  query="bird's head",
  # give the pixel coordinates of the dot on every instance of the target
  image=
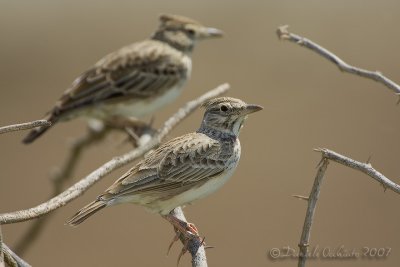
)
(226, 114)
(182, 33)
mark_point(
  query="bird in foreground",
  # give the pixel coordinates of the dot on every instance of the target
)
(183, 169)
(135, 80)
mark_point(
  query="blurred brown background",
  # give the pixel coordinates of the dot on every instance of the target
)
(308, 103)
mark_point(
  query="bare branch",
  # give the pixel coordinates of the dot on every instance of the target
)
(313, 198)
(146, 143)
(24, 126)
(195, 246)
(284, 34)
(312, 203)
(360, 166)
(61, 176)
(95, 134)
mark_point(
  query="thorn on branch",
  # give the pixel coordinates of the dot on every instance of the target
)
(301, 197)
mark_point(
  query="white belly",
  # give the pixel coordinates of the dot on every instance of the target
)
(140, 109)
(164, 207)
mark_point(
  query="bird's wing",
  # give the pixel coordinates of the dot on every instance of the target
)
(140, 70)
(179, 163)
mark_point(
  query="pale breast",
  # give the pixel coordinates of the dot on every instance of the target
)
(191, 195)
(141, 108)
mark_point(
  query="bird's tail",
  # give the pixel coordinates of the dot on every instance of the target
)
(86, 212)
(35, 133)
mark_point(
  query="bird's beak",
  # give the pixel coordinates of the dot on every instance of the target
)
(251, 108)
(211, 33)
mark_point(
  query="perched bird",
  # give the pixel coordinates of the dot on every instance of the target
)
(183, 169)
(135, 80)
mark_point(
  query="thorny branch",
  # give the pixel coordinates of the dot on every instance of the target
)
(360, 166)
(146, 144)
(312, 203)
(313, 197)
(284, 34)
(195, 246)
(24, 126)
(60, 178)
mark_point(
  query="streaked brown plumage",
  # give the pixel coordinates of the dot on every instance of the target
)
(183, 169)
(135, 80)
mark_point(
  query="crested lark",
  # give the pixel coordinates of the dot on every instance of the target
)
(136, 80)
(183, 169)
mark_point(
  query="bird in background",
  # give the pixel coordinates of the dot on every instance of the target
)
(184, 169)
(135, 80)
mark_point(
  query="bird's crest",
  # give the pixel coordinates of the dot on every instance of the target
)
(219, 100)
(177, 19)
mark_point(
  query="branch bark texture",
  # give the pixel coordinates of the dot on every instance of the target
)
(312, 203)
(360, 166)
(24, 126)
(284, 34)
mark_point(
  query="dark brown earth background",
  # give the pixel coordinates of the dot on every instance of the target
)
(308, 103)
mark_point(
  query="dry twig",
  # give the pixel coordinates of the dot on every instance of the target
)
(24, 126)
(59, 180)
(312, 203)
(313, 198)
(284, 34)
(360, 166)
(147, 141)
(80, 187)
(195, 246)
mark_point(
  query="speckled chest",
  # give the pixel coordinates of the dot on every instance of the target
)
(230, 151)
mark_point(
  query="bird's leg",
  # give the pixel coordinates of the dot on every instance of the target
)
(183, 251)
(133, 126)
(188, 230)
(176, 238)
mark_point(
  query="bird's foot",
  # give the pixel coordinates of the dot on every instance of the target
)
(187, 230)
(135, 128)
(184, 231)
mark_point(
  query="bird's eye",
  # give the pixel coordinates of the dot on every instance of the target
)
(224, 108)
(190, 32)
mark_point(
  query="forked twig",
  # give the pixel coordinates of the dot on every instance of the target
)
(84, 184)
(328, 155)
